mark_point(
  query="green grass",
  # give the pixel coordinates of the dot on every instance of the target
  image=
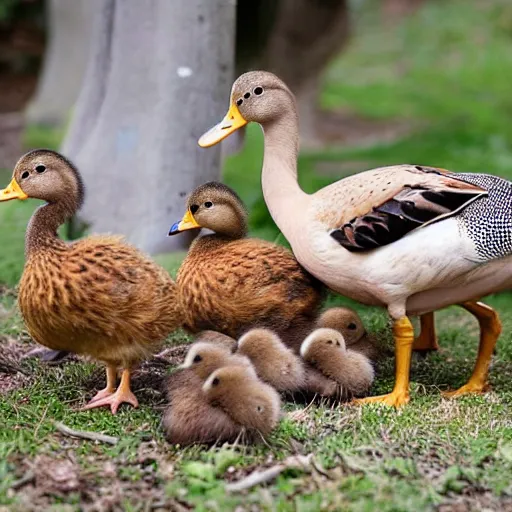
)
(445, 70)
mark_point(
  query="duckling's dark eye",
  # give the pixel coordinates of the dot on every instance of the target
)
(25, 175)
(352, 326)
(197, 358)
(239, 102)
(258, 91)
(329, 342)
(259, 408)
(247, 95)
(40, 168)
(194, 208)
(215, 381)
(208, 204)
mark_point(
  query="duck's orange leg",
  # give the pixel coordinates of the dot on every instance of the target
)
(427, 340)
(123, 394)
(490, 330)
(110, 387)
(404, 336)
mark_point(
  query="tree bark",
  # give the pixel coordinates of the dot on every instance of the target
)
(306, 36)
(159, 75)
(69, 24)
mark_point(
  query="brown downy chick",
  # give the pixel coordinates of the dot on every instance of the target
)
(190, 418)
(349, 323)
(204, 358)
(248, 401)
(325, 349)
(273, 361)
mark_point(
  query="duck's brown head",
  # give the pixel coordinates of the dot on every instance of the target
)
(47, 175)
(203, 358)
(250, 402)
(256, 96)
(217, 207)
(344, 320)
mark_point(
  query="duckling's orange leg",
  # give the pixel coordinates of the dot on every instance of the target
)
(427, 340)
(110, 387)
(490, 330)
(123, 394)
(404, 337)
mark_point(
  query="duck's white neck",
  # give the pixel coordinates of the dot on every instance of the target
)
(283, 195)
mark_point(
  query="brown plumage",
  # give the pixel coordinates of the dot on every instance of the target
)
(193, 417)
(325, 350)
(230, 283)
(97, 296)
(246, 399)
(349, 323)
(273, 361)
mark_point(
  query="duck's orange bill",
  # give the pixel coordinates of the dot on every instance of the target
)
(12, 191)
(188, 222)
(231, 122)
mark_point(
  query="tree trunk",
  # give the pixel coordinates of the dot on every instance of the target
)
(69, 24)
(306, 36)
(158, 77)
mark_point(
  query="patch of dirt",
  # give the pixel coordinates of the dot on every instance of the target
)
(13, 374)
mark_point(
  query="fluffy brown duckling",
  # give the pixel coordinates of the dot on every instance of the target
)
(217, 338)
(203, 358)
(247, 400)
(325, 349)
(192, 416)
(97, 296)
(349, 323)
(231, 283)
(274, 362)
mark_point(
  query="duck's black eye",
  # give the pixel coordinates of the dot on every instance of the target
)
(194, 208)
(247, 95)
(258, 90)
(25, 175)
(197, 358)
(40, 168)
(215, 381)
(329, 342)
(352, 326)
(239, 102)
(208, 204)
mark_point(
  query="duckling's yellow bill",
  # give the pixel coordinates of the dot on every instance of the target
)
(227, 126)
(188, 222)
(12, 191)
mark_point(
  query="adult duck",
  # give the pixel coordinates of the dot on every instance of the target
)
(411, 238)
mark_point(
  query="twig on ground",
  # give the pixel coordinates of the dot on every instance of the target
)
(259, 477)
(28, 477)
(81, 434)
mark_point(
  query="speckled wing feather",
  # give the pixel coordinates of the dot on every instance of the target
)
(414, 197)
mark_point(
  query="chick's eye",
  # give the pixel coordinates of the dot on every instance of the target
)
(259, 408)
(40, 168)
(197, 358)
(329, 342)
(25, 175)
(352, 326)
(215, 381)
(258, 91)
(208, 204)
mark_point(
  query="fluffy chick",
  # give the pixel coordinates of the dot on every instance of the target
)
(244, 398)
(273, 361)
(325, 349)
